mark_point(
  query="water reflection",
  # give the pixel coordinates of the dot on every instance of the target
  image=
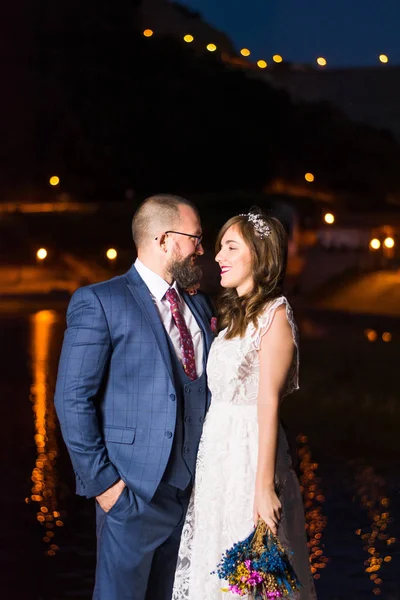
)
(348, 405)
(370, 491)
(313, 498)
(44, 474)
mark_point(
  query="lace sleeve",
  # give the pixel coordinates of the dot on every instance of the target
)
(264, 323)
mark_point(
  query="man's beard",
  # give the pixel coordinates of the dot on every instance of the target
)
(184, 272)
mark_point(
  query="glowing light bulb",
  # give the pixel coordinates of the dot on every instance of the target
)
(329, 218)
(375, 244)
(371, 335)
(41, 253)
(389, 242)
(111, 254)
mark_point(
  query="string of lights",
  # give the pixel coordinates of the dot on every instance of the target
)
(320, 61)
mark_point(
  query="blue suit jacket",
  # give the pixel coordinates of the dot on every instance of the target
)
(115, 393)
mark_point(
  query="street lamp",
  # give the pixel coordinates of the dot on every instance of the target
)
(375, 244)
(371, 335)
(41, 253)
(54, 180)
(111, 254)
(329, 218)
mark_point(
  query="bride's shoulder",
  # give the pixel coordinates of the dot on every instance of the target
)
(272, 305)
(270, 309)
(268, 315)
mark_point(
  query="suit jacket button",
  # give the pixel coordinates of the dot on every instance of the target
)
(201, 390)
(187, 419)
(172, 397)
(168, 434)
(201, 419)
(187, 390)
(186, 450)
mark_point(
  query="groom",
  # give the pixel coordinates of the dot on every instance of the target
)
(131, 398)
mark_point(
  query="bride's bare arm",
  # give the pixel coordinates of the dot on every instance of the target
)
(275, 358)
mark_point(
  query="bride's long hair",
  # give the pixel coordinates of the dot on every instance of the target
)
(269, 258)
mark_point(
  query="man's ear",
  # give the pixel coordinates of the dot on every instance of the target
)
(163, 241)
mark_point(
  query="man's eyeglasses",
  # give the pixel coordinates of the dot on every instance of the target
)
(198, 238)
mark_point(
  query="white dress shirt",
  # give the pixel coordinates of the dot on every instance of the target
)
(158, 287)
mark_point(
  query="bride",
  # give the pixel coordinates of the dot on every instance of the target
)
(244, 469)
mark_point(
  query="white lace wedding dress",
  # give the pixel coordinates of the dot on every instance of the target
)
(221, 507)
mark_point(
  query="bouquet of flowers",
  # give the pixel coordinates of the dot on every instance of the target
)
(258, 567)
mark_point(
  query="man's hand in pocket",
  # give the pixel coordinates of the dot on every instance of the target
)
(108, 498)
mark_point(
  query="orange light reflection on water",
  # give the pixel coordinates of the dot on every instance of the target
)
(313, 499)
(370, 491)
(44, 475)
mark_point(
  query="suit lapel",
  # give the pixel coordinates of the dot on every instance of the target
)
(200, 317)
(140, 292)
(202, 320)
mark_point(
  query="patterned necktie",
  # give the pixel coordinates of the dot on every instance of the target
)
(188, 359)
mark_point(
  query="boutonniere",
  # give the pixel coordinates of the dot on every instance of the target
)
(214, 324)
(192, 291)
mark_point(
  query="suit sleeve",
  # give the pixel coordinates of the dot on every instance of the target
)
(83, 363)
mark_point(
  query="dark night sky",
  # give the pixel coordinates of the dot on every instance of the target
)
(345, 32)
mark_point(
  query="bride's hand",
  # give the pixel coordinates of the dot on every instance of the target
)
(267, 507)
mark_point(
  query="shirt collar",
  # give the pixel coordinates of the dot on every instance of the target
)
(156, 284)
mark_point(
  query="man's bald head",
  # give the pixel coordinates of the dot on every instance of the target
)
(157, 213)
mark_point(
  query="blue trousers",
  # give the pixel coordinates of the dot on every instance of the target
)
(138, 543)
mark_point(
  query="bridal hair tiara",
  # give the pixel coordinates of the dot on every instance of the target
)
(258, 223)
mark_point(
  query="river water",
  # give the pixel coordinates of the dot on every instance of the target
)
(344, 426)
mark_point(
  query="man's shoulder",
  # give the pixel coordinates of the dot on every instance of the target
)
(104, 288)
